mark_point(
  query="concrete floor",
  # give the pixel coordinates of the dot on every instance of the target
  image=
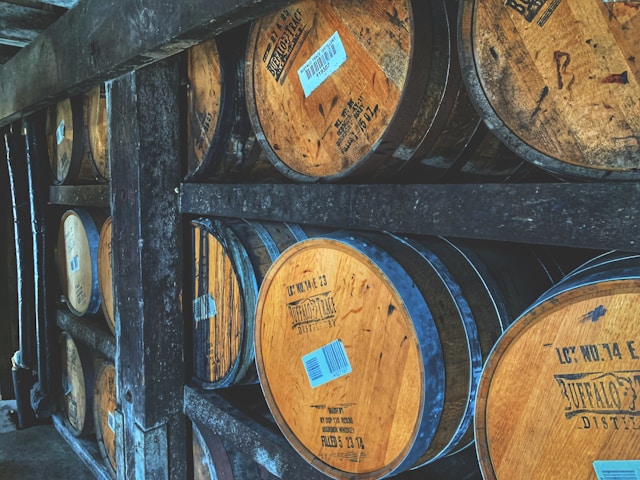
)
(35, 453)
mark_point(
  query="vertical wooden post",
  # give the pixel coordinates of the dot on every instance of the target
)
(147, 261)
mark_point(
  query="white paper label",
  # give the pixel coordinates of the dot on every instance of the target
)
(617, 469)
(326, 364)
(204, 307)
(60, 132)
(322, 64)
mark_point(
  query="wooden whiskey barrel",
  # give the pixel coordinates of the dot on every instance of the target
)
(77, 260)
(105, 274)
(325, 82)
(230, 259)
(558, 396)
(105, 403)
(498, 281)
(349, 89)
(351, 326)
(558, 82)
(221, 140)
(213, 458)
(77, 385)
(67, 134)
(97, 128)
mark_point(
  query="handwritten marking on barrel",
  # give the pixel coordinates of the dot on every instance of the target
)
(562, 59)
(543, 95)
(620, 78)
(595, 314)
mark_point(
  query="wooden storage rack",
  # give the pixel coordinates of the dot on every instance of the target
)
(131, 46)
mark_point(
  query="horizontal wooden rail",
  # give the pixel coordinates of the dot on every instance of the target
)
(97, 41)
(592, 215)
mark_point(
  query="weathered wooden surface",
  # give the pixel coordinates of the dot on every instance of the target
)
(590, 215)
(19, 25)
(80, 195)
(95, 335)
(86, 449)
(560, 389)
(97, 41)
(148, 266)
(216, 457)
(558, 81)
(258, 442)
(6, 52)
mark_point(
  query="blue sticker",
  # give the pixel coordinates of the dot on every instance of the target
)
(617, 469)
(60, 132)
(322, 64)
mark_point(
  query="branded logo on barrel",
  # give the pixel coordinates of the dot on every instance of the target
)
(601, 400)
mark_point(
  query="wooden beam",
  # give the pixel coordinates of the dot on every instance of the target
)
(6, 52)
(20, 25)
(98, 40)
(592, 215)
(61, 3)
(147, 269)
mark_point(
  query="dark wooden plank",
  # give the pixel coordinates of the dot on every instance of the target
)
(19, 25)
(92, 332)
(6, 52)
(592, 215)
(147, 269)
(266, 447)
(98, 40)
(80, 195)
(60, 3)
(87, 450)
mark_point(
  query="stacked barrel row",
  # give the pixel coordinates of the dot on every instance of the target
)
(76, 132)
(83, 257)
(368, 346)
(89, 396)
(401, 90)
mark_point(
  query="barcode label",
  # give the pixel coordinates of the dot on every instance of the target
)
(617, 469)
(322, 64)
(74, 264)
(60, 132)
(326, 363)
(204, 307)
